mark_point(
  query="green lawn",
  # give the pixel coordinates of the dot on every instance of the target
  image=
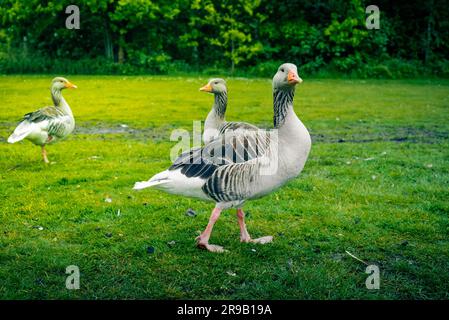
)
(376, 185)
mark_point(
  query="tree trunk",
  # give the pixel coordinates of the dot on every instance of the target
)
(428, 50)
(121, 50)
(232, 57)
(25, 47)
(196, 59)
(121, 54)
(108, 48)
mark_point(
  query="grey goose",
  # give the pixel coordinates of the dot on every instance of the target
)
(237, 167)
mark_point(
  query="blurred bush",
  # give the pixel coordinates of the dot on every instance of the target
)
(236, 37)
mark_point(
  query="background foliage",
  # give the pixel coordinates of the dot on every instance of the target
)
(235, 36)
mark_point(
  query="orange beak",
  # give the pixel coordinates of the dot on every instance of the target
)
(293, 78)
(70, 85)
(206, 88)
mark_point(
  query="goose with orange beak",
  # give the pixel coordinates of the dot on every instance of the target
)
(242, 166)
(215, 124)
(49, 124)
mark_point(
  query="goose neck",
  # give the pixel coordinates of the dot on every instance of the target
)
(56, 96)
(60, 102)
(220, 103)
(282, 103)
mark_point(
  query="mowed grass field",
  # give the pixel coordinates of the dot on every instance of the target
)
(375, 185)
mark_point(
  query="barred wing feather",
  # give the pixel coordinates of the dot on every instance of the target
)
(230, 164)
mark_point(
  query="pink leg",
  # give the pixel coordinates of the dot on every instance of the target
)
(244, 235)
(44, 155)
(203, 239)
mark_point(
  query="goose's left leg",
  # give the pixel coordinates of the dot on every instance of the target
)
(244, 235)
(203, 239)
(44, 155)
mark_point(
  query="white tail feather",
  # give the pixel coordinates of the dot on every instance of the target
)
(21, 132)
(147, 184)
(175, 182)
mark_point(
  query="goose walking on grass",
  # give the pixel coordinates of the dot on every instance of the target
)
(242, 165)
(49, 124)
(215, 124)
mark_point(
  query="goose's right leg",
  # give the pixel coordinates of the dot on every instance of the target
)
(203, 239)
(244, 235)
(44, 155)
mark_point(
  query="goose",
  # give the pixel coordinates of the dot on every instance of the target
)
(241, 166)
(49, 124)
(215, 124)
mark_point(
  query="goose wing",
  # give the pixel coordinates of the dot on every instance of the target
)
(49, 119)
(43, 114)
(37, 121)
(229, 164)
(234, 126)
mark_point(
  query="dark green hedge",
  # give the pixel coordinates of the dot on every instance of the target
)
(239, 37)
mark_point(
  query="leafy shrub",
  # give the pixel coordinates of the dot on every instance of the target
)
(379, 71)
(354, 66)
(440, 68)
(312, 67)
(265, 69)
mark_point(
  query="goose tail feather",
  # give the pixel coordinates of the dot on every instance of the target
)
(157, 179)
(147, 184)
(21, 132)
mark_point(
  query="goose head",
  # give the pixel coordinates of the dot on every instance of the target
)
(60, 83)
(286, 77)
(215, 86)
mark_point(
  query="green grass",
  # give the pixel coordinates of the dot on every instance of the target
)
(376, 185)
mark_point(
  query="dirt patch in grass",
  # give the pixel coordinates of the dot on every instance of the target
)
(379, 133)
(350, 133)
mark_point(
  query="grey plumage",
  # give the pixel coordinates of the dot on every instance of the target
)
(215, 124)
(49, 124)
(229, 164)
(220, 103)
(241, 165)
(281, 100)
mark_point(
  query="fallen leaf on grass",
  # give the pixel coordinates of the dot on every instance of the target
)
(171, 243)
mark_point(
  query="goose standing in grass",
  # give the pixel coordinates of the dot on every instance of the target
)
(242, 165)
(215, 124)
(49, 124)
